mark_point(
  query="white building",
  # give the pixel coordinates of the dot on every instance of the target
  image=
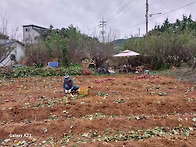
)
(31, 33)
(17, 51)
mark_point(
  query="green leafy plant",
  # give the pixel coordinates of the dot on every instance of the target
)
(73, 69)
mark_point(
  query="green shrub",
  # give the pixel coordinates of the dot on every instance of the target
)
(48, 72)
(6, 73)
(73, 69)
(22, 72)
(61, 71)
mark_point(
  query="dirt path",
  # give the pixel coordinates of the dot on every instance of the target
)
(121, 110)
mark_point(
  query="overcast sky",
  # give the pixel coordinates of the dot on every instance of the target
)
(123, 17)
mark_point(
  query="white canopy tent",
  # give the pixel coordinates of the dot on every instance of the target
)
(124, 58)
(127, 53)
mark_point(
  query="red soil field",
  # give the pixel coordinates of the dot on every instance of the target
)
(119, 111)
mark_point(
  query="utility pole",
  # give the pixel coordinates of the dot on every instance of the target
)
(139, 32)
(147, 9)
(102, 26)
(148, 15)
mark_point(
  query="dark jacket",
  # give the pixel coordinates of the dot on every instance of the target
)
(68, 81)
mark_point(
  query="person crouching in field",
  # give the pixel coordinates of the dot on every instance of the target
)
(68, 85)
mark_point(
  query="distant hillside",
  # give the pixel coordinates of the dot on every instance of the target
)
(121, 41)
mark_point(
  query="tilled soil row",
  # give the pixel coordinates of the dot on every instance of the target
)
(119, 111)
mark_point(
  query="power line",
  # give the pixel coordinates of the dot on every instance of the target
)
(136, 15)
(124, 11)
(102, 23)
(120, 10)
(175, 9)
(153, 5)
(134, 26)
(149, 15)
(161, 15)
(115, 9)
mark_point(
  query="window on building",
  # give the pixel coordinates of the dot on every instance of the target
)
(12, 57)
(27, 30)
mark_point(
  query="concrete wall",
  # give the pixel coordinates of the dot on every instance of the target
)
(30, 35)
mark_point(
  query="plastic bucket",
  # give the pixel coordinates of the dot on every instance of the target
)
(147, 72)
(83, 90)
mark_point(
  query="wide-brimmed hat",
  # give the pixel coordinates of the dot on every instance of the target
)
(67, 78)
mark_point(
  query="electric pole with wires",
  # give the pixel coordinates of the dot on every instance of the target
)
(102, 25)
(148, 15)
(147, 8)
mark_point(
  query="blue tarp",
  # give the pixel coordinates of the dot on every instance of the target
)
(18, 66)
(53, 64)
